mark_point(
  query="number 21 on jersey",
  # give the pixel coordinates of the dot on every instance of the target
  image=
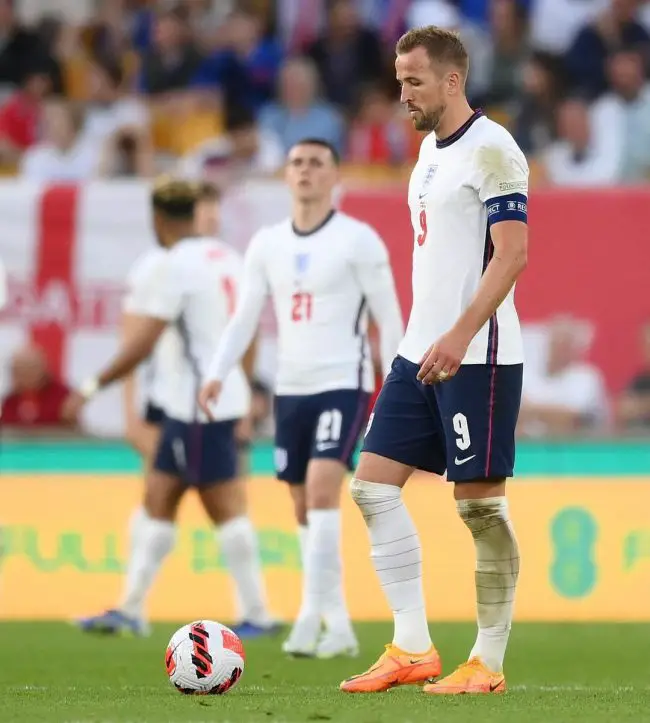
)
(301, 304)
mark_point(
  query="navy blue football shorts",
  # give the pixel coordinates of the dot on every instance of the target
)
(199, 454)
(465, 425)
(153, 414)
(317, 426)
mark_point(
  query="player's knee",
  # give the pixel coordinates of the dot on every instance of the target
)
(160, 499)
(480, 514)
(367, 494)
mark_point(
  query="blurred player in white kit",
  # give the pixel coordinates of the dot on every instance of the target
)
(451, 400)
(324, 271)
(179, 304)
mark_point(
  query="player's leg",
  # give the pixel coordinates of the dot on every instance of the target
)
(480, 408)
(299, 499)
(293, 438)
(145, 438)
(223, 494)
(323, 574)
(153, 534)
(338, 418)
(403, 434)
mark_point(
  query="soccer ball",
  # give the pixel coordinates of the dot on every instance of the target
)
(204, 658)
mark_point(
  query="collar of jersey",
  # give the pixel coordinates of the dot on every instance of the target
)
(314, 230)
(457, 135)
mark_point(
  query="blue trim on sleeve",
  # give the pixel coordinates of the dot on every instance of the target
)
(513, 207)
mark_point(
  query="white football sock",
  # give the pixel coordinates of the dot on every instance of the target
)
(151, 541)
(239, 544)
(397, 557)
(497, 570)
(303, 531)
(324, 581)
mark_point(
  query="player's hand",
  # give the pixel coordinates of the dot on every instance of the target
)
(244, 430)
(443, 358)
(72, 407)
(209, 395)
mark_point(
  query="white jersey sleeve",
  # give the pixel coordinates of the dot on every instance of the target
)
(240, 330)
(3, 286)
(159, 295)
(501, 179)
(375, 277)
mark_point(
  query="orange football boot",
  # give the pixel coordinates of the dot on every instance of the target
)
(395, 667)
(470, 677)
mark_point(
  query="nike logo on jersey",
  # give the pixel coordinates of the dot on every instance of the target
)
(423, 195)
(462, 461)
(324, 446)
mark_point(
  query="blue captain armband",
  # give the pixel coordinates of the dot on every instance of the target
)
(513, 207)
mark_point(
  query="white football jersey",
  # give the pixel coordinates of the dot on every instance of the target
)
(322, 284)
(137, 285)
(3, 286)
(458, 188)
(194, 287)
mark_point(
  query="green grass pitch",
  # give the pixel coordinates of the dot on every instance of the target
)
(51, 673)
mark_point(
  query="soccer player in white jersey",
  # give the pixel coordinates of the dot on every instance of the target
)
(143, 428)
(323, 271)
(452, 398)
(192, 288)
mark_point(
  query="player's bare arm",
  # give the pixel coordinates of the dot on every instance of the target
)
(375, 277)
(146, 332)
(442, 360)
(238, 336)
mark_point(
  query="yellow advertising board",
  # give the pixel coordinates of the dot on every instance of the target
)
(585, 548)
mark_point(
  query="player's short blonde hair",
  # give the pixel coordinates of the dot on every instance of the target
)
(174, 197)
(442, 46)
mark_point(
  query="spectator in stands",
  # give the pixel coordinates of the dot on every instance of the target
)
(534, 115)
(347, 55)
(568, 394)
(20, 48)
(173, 59)
(118, 123)
(378, 134)
(299, 24)
(50, 34)
(64, 155)
(634, 403)
(579, 157)
(245, 71)
(299, 113)
(554, 24)
(507, 54)
(616, 28)
(244, 152)
(622, 116)
(35, 398)
(20, 116)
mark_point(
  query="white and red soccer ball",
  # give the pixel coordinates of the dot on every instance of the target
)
(204, 658)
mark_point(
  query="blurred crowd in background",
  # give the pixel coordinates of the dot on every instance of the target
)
(220, 88)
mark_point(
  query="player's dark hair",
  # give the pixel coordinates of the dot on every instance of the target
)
(442, 46)
(208, 192)
(175, 198)
(323, 144)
